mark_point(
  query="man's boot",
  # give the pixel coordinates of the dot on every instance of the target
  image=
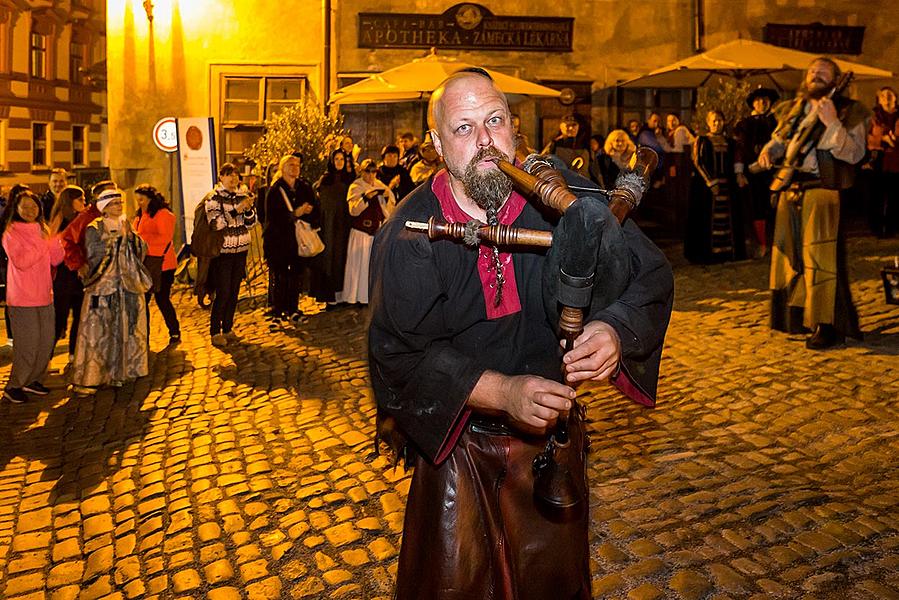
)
(825, 336)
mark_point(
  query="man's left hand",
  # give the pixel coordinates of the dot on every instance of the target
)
(595, 354)
(827, 112)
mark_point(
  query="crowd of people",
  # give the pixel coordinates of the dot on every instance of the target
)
(465, 361)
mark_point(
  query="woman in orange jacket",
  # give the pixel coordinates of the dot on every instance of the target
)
(155, 224)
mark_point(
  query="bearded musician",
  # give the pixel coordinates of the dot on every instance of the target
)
(465, 360)
(809, 280)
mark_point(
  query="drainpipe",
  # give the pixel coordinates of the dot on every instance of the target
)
(698, 26)
(326, 64)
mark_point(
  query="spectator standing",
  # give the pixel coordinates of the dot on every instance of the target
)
(409, 150)
(392, 174)
(289, 199)
(679, 141)
(751, 134)
(233, 213)
(33, 249)
(68, 291)
(620, 149)
(570, 146)
(331, 190)
(57, 182)
(601, 166)
(882, 143)
(429, 164)
(370, 202)
(714, 221)
(73, 236)
(351, 151)
(112, 337)
(155, 224)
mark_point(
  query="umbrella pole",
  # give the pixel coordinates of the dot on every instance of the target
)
(425, 100)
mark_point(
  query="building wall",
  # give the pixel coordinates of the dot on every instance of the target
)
(53, 99)
(174, 67)
(615, 41)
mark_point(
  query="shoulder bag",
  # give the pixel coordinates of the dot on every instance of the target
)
(309, 244)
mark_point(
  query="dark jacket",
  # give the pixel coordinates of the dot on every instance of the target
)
(279, 241)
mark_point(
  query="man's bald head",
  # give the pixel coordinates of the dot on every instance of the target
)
(467, 75)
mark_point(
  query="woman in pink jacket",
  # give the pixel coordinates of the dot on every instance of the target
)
(33, 249)
(155, 224)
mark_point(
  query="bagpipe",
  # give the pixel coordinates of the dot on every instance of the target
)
(587, 268)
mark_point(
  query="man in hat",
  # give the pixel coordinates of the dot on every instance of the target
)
(809, 281)
(751, 134)
(466, 364)
(569, 145)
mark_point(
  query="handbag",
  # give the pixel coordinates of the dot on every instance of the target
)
(370, 219)
(154, 268)
(309, 244)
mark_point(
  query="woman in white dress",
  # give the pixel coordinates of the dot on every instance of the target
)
(370, 203)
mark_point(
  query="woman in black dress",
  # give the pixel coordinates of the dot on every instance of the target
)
(331, 189)
(714, 221)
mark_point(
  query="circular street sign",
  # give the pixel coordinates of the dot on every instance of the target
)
(165, 134)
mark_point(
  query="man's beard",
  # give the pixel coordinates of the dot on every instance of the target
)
(488, 188)
(821, 89)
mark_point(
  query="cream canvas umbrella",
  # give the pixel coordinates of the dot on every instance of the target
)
(741, 59)
(417, 79)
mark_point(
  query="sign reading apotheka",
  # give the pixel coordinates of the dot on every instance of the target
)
(465, 26)
(196, 165)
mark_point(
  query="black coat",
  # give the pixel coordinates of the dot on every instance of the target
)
(386, 174)
(279, 241)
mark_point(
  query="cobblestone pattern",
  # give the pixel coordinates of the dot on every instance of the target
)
(767, 470)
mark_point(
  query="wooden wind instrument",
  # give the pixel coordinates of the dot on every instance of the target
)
(501, 235)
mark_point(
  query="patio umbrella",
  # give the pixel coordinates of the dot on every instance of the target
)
(417, 79)
(741, 59)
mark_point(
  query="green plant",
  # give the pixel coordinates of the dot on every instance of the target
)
(726, 95)
(303, 127)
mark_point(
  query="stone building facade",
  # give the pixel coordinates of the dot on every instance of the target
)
(238, 61)
(52, 112)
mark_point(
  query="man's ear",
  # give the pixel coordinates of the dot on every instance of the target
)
(438, 145)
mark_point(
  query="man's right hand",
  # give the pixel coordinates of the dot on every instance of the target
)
(741, 180)
(531, 402)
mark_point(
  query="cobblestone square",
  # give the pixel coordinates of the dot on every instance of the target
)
(766, 470)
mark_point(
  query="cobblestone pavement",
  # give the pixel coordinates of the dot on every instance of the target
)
(766, 470)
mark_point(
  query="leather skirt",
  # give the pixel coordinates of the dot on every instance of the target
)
(474, 531)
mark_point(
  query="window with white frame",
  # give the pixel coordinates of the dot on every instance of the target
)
(40, 144)
(79, 145)
(247, 101)
(38, 57)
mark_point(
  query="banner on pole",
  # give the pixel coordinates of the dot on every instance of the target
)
(196, 165)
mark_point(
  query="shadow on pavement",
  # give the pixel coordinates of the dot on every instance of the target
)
(82, 439)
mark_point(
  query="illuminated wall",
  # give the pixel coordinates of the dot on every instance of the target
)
(174, 66)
